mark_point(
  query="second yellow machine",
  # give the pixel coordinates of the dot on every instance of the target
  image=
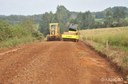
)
(72, 34)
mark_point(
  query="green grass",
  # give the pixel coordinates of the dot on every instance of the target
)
(113, 42)
(16, 41)
(111, 36)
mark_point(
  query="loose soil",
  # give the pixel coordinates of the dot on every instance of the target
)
(55, 62)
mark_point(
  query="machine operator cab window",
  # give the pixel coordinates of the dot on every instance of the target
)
(53, 29)
(73, 27)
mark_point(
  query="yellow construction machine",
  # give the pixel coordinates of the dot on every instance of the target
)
(54, 31)
(72, 34)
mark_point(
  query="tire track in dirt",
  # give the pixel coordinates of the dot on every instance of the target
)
(14, 62)
(96, 69)
(56, 62)
(10, 51)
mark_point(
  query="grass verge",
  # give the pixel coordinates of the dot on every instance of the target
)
(112, 42)
(16, 41)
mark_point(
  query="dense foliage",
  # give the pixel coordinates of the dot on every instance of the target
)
(110, 17)
(13, 34)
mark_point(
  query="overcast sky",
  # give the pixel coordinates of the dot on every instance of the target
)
(30, 7)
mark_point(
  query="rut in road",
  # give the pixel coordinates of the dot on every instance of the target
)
(56, 63)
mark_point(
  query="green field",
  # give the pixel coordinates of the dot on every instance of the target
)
(116, 37)
(113, 42)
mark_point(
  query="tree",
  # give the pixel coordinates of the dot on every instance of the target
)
(73, 21)
(62, 15)
(99, 15)
(79, 19)
(108, 20)
(44, 25)
(5, 30)
(119, 14)
(86, 20)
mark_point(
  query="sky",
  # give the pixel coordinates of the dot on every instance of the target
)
(31, 7)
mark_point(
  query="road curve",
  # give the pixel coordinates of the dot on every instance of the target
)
(56, 62)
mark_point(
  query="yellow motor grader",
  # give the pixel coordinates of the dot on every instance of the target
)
(54, 32)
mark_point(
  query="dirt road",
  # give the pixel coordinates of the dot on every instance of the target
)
(56, 63)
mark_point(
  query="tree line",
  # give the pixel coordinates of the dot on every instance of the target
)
(110, 17)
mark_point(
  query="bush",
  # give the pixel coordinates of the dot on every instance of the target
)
(37, 35)
(11, 35)
(15, 41)
(5, 30)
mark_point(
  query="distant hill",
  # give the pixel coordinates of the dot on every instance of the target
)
(18, 18)
(109, 17)
(37, 18)
(101, 14)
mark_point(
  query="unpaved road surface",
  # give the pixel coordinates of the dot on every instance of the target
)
(56, 63)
